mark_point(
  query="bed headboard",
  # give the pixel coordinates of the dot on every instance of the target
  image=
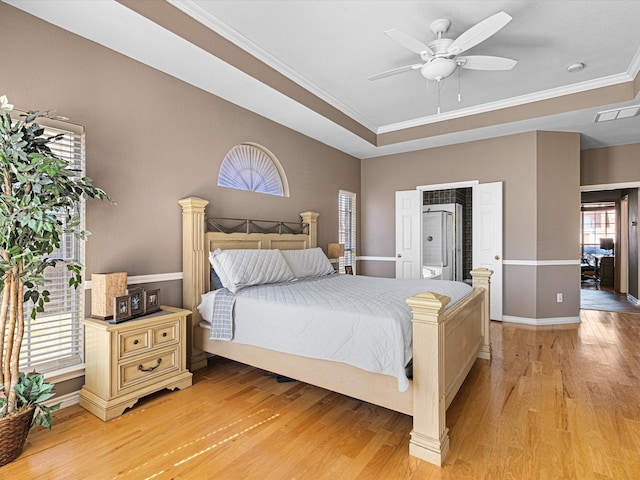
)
(197, 243)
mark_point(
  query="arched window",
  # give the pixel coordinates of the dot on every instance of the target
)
(252, 167)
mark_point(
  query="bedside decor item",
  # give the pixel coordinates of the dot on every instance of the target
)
(40, 195)
(152, 300)
(121, 309)
(104, 288)
(136, 297)
(138, 302)
(335, 251)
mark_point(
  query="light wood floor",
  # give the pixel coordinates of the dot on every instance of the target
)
(555, 403)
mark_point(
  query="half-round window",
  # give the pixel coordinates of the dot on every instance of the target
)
(252, 167)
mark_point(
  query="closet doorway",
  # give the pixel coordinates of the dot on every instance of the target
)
(485, 234)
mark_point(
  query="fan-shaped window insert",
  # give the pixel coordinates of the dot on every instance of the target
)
(252, 167)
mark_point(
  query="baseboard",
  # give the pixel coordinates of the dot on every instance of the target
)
(65, 401)
(541, 321)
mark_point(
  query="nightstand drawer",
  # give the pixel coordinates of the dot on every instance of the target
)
(166, 333)
(133, 342)
(147, 368)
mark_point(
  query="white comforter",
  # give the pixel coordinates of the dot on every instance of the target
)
(358, 320)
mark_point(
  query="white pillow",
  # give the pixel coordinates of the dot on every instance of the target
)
(242, 268)
(310, 262)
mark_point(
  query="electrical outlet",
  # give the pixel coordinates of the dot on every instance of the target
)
(559, 298)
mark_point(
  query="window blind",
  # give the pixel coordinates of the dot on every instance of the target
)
(347, 228)
(54, 339)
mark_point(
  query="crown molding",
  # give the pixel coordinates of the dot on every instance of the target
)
(510, 102)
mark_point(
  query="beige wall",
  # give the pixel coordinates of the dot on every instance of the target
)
(601, 166)
(558, 219)
(540, 174)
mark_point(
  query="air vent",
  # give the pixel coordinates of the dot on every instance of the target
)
(617, 113)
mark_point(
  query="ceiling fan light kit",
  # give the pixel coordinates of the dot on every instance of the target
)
(440, 56)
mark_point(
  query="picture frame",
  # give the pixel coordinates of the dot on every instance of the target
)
(121, 308)
(348, 269)
(137, 301)
(152, 300)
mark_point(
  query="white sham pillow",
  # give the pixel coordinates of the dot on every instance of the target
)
(307, 263)
(242, 268)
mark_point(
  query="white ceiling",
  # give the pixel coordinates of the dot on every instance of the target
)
(331, 47)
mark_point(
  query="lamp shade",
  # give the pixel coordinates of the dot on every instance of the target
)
(335, 250)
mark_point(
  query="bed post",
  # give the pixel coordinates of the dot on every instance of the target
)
(194, 258)
(481, 279)
(311, 218)
(430, 435)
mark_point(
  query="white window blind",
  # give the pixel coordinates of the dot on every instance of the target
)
(347, 228)
(54, 339)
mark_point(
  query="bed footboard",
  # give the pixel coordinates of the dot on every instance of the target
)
(445, 346)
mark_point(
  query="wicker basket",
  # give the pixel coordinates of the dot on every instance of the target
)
(14, 430)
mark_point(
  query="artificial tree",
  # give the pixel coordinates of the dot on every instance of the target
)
(39, 198)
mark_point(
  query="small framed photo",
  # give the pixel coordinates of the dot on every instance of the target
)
(121, 308)
(348, 269)
(152, 300)
(137, 301)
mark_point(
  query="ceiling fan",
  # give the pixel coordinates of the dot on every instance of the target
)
(440, 58)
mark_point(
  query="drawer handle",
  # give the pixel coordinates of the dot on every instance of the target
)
(150, 369)
(135, 342)
(164, 334)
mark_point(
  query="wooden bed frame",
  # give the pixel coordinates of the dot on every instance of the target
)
(446, 343)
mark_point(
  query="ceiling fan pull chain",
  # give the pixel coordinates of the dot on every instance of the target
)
(459, 83)
(438, 89)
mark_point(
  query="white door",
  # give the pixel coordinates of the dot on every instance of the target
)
(408, 234)
(487, 238)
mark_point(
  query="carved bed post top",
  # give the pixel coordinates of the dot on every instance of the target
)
(311, 218)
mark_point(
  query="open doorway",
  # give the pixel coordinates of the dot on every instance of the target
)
(609, 250)
(485, 232)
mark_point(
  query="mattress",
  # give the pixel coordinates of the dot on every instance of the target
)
(362, 321)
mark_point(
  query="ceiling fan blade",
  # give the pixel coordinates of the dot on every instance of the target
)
(479, 33)
(486, 62)
(407, 41)
(395, 71)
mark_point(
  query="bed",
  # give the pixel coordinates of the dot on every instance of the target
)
(446, 339)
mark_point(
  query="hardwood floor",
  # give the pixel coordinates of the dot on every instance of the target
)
(555, 403)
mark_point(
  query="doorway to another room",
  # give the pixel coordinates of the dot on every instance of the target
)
(605, 252)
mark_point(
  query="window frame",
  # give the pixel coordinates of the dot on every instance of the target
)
(347, 231)
(53, 343)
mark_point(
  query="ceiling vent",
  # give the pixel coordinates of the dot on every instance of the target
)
(617, 113)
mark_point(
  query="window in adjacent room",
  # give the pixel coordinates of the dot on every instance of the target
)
(252, 167)
(598, 222)
(347, 228)
(53, 340)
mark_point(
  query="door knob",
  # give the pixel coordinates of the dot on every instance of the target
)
(497, 257)
(398, 255)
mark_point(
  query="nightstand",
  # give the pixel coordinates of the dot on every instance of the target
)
(129, 360)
